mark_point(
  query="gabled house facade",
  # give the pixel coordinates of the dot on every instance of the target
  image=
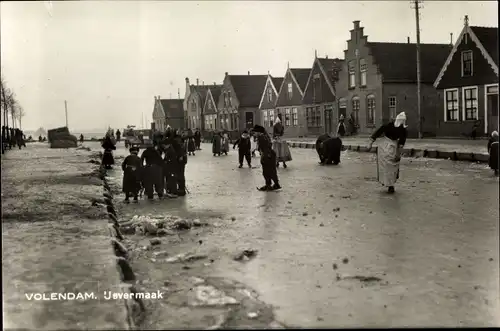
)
(378, 80)
(210, 111)
(239, 101)
(194, 100)
(320, 96)
(289, 104)
(468, 83)
(268, 100)
(168, 112)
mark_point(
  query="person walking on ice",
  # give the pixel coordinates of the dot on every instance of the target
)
(389, 150)
(244, 146)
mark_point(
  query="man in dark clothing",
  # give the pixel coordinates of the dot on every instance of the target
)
(197, 139)
(244, 147)
(181, 153)
(267, 160)
(169, 167)
(118, 135)
(152, 172)
(131, 167)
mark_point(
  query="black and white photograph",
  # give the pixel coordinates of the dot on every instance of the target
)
(242, 164)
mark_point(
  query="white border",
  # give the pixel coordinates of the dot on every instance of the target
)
(463, 102)
(445, 103)
(486, 105)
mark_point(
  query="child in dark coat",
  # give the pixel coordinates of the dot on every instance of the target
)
(244, 149)
(131, 167)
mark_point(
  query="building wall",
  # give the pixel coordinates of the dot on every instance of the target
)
(228, 111)
(482, 73)
(406, 100)
(291, 130)
(461, 127)
(373, 82)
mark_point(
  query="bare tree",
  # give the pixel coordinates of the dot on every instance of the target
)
(13, 106)
(8, 102)
(20, 114)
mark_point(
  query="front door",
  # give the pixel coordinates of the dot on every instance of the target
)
(248, 120)
(492, 108)
(342, 112)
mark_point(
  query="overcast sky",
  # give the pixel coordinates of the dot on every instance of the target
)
(108, 59)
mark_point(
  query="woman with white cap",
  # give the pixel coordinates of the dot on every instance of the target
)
(389, 150)
(493, 152)
(280, 146)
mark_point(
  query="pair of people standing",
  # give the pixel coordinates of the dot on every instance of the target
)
(220, 143)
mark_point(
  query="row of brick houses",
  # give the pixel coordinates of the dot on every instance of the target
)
(374, 82)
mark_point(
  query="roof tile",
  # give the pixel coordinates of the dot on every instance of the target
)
(248, 88)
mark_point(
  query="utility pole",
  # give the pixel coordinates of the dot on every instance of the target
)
(417, 4)
(66, 112)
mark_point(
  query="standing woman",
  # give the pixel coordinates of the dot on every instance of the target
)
(225, 143)
(280, 146)
(109, 147)
(341, 128)
(493, 152)
(389, 150)
(216, 143)
(190, 142)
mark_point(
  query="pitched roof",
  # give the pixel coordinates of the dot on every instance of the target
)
(331, 67)
(216, 92)
(248, 88)
(170, 106)
(201, 89)
(277, 82)
(301, 75)
(398, 61)
(489, 39)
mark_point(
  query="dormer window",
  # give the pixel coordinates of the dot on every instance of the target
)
(193, 105)
(290, 91)
(209, 105)
(466, 63)
(269, 94)
(229, 101)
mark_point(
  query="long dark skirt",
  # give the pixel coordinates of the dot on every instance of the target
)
(269, 171)
(107, 158)
(191, 146)
(331, 149)
(216, 145)
(131, 181)
(493, 161)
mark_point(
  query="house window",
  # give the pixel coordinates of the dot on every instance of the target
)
(269, 94)
(266, 118)
(470, 103)
(287, 117)
(209, 105)
(225, 99)
(370, 110)
(392, 107)
(271, 118)
(355, 110)
(451, 105)
(352, 74)
(317, 114)
(295, 117)
(316, 88)
(362, 70)
(290, 91)
(466, 63)
(229, 101)
(193, 105)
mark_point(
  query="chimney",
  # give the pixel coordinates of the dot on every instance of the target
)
(215, 84)
(226, 73)
(326, 57)
(451, 38)
(249, 73)
(356, 25)
(179, 93)
(408, 39)
(315, 53)
(197, 81)
(203, 82)
(187, 80)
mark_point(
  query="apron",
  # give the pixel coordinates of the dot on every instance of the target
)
(280, 147)
(387, 166)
